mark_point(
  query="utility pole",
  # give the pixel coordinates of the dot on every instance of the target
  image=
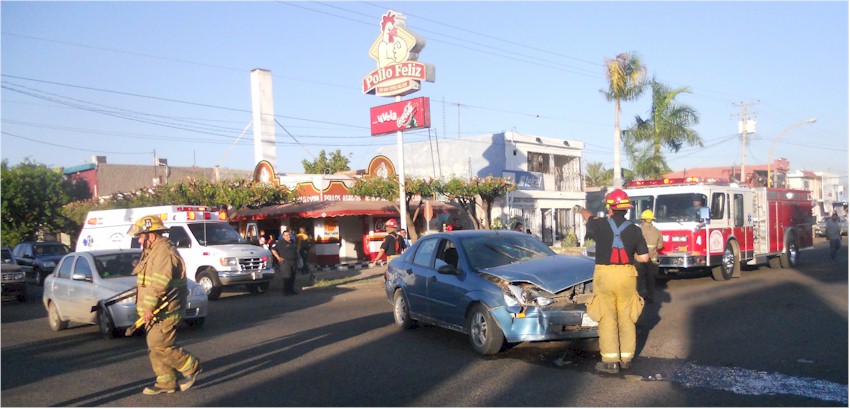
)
(745, 129)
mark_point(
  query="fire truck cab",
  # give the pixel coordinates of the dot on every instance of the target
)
(712, 224)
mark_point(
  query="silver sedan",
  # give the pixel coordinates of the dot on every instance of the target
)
(81, 281)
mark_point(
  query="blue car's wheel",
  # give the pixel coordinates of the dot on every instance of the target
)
(401, 310)
(484, 334)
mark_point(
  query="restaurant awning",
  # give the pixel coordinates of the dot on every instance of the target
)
(313, 210)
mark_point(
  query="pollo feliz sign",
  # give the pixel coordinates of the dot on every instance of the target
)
(396, 51)
(399, 116)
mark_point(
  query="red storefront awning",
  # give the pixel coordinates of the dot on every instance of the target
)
(313, 210)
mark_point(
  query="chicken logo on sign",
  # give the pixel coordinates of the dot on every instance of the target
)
(396, 51)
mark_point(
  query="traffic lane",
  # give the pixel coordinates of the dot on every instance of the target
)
(310, 357)
(342, 352)
(791, 321)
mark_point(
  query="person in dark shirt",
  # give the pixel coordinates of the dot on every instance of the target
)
(616, 304)
(393, 244)
(285, 251)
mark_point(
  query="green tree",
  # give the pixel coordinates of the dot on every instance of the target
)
(322, 164)
(235, 193)
(387, 189)
(626, 81)
(596, 175)
(464, 192)
(667, 127)
(490, 189)
(32, 196)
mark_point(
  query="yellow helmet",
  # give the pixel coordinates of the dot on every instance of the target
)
(147, 224)
(647, 215)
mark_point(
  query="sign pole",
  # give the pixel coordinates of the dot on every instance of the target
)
(402, 195)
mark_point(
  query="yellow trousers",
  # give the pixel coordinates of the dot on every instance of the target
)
(618, 306)
(167, 359)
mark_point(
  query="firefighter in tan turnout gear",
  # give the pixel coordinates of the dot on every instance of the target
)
(616, 304)
(648, 272)
(160, 270)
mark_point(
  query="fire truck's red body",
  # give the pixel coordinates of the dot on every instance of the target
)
(717, 225)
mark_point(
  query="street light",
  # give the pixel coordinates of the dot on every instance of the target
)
(778, 138)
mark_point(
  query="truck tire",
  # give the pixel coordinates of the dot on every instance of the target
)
(730, 265)
(791, 256)
(208, 278)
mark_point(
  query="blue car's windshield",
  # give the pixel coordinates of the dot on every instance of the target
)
(494, 251)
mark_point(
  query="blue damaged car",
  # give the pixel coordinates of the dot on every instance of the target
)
(499, 287)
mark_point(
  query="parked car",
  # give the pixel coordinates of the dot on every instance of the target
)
(14, 280)
(38, 258)
(84, 279)
(499, 287)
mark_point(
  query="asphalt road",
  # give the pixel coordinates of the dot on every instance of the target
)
(771, 338)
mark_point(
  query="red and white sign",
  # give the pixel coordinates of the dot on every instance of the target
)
(396, 51)
(399, 116)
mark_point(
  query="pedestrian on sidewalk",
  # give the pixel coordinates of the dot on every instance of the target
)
(833, 234)
(303, 244)
(286, 252)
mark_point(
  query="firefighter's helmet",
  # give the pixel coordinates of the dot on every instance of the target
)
(147, 224)
(618, 200)
(391, 225)
(647, 215)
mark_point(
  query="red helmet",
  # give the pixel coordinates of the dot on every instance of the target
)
(390, 225)
(618, 200)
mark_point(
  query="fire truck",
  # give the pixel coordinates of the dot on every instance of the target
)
(717, 225)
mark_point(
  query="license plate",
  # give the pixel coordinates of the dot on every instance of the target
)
(587, 322)
(256, 275)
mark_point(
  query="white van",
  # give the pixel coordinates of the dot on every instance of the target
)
(216, 255)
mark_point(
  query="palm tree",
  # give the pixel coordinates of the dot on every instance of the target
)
(626, 81)
(596, 175)
(668, 126)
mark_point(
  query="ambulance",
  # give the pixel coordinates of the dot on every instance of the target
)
(717, 225)
(216, 255)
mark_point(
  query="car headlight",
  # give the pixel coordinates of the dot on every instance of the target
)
(48, 264)
(528, 296)
(198, 291)
(18, 276)
(229, 261)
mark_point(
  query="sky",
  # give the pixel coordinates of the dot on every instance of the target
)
(137, 80)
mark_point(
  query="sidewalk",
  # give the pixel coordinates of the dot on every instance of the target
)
(349, 275)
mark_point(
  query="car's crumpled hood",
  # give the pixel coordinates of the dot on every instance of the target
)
(553, 273)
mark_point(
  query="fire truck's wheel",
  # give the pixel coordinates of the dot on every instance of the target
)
(730, 265)
(790, 257)
(209, 280)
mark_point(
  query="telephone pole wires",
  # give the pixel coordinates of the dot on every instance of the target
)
(745, 126)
